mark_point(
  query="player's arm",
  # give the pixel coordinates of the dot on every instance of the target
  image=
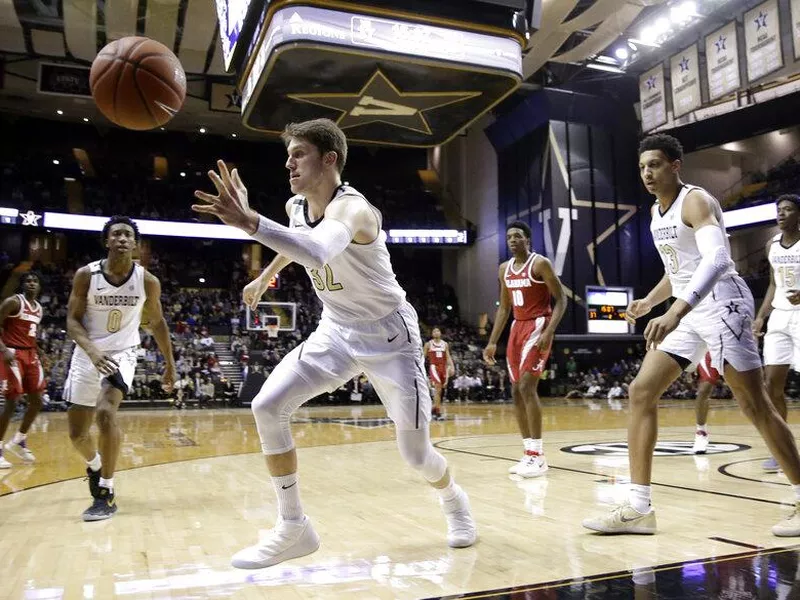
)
(543, 269)
(500, 317)
(715, 261)
(640, 307)
(76, 309)
(425, 349)
(313, 249)
(766, 305)
(451, 367)
(254, 291)
(158, 325)
(9, 306)
(345, 218)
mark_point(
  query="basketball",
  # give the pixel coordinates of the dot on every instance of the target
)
(137, 83)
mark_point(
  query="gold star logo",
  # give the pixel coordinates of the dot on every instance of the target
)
(379, 101)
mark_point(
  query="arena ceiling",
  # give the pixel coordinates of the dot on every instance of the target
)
(572, 35)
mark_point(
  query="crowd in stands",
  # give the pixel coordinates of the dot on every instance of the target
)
(110, 181)
(765, 187)
(196, 316)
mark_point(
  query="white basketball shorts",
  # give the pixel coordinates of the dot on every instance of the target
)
(722, 325)
(782, 340)
(84, 380)
(388, 352)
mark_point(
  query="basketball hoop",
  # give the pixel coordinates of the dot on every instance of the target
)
(272, 330)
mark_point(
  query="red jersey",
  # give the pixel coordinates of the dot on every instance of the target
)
(529, 297)
(19, 330)
(437, 353)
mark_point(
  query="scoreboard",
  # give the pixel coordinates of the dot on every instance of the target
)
(605, 309)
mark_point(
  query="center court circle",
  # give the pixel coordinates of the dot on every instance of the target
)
(661, 449)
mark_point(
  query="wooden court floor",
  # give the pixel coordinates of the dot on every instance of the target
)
(192, 490)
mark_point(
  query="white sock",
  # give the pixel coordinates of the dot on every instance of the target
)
(19, 437)
(287, 489)
(797, 492)
(107, 483)
(702, 428)
(640, 498)
(526, 442)
(449, 493)
(536, 446)
(95, 463)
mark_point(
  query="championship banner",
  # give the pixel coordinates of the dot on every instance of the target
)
(762, 37)
(722, 61)
(685, 78)
(225, 98)
(794, 10)
(652, 99)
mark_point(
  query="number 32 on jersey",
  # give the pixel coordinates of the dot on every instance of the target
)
(328, 283)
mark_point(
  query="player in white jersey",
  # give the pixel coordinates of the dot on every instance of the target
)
(366, 326)
(103, 317)
(713, 310)
(782, 305)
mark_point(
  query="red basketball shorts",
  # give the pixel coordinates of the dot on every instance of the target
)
(522, 355)
(706, 372)
(25, 376)
(437, 374)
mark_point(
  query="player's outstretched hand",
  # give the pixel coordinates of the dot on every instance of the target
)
(636, 309)
(168, 379)
(488, 354)
(230, 204)
(794, 297)
(253, 292)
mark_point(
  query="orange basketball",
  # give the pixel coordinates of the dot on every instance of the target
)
(137, 83)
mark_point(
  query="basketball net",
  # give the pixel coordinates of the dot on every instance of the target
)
(272, 331)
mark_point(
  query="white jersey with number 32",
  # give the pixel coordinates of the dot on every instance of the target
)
(359, 284)
(676, 243)
(114, 312)
(785, 263)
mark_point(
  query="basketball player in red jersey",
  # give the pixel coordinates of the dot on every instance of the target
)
(20, 316)
(707, 378)
(527, 282)
(440, 368)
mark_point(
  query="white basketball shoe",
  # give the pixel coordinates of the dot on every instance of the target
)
(21, 450)
(513, 469)
(700, 442)
(535, 466)
(285, 541)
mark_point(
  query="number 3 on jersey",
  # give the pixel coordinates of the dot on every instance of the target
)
(671, 257)
(329, 283)
(517, 298)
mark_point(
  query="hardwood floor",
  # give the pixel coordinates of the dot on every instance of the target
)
(192, 490)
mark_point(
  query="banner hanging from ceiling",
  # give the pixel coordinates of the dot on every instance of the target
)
(685, 80)
(652, 98)
(722, 61)
(762, 37)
